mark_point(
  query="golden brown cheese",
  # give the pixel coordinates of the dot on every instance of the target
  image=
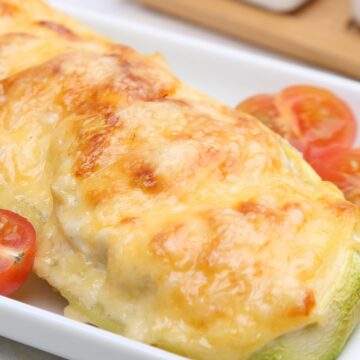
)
(190, 226)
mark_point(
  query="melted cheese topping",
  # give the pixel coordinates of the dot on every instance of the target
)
(189, 225)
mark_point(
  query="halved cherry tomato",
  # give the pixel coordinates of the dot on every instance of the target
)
(17, 251)
(343, 169)
(314, 120)
(263, 107)
(317, 120)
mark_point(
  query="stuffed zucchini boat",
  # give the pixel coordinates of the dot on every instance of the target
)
(162, 214)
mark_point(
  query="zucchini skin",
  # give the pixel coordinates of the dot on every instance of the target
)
(314, 342)
(325, 341)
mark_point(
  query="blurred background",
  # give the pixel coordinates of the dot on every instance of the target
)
(321, 33)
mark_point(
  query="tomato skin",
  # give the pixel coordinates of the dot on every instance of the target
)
(312, 119)
(317, 120)
(17, 251)
(343, 169)
(263, 107)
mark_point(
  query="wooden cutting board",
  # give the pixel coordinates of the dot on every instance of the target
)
(320, 33)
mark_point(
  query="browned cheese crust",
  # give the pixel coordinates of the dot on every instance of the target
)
(189, 225)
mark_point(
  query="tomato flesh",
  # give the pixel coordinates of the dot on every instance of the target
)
(343, 169)
(314, 120)
(317, 120)
(17, 251)
(263, 107)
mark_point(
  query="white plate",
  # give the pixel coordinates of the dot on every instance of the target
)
(229, 75)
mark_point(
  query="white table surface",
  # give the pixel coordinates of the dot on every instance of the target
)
(10, 350)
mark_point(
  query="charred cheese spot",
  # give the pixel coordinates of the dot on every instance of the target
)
(144, 177)
(93, 143)
(128, 220)
(91, 148)
(58, 29)
(255, 211)
(305, 304)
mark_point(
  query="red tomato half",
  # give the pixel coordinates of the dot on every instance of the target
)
(316, 119)
(263, 107)
(17, 251)
(343, 169)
